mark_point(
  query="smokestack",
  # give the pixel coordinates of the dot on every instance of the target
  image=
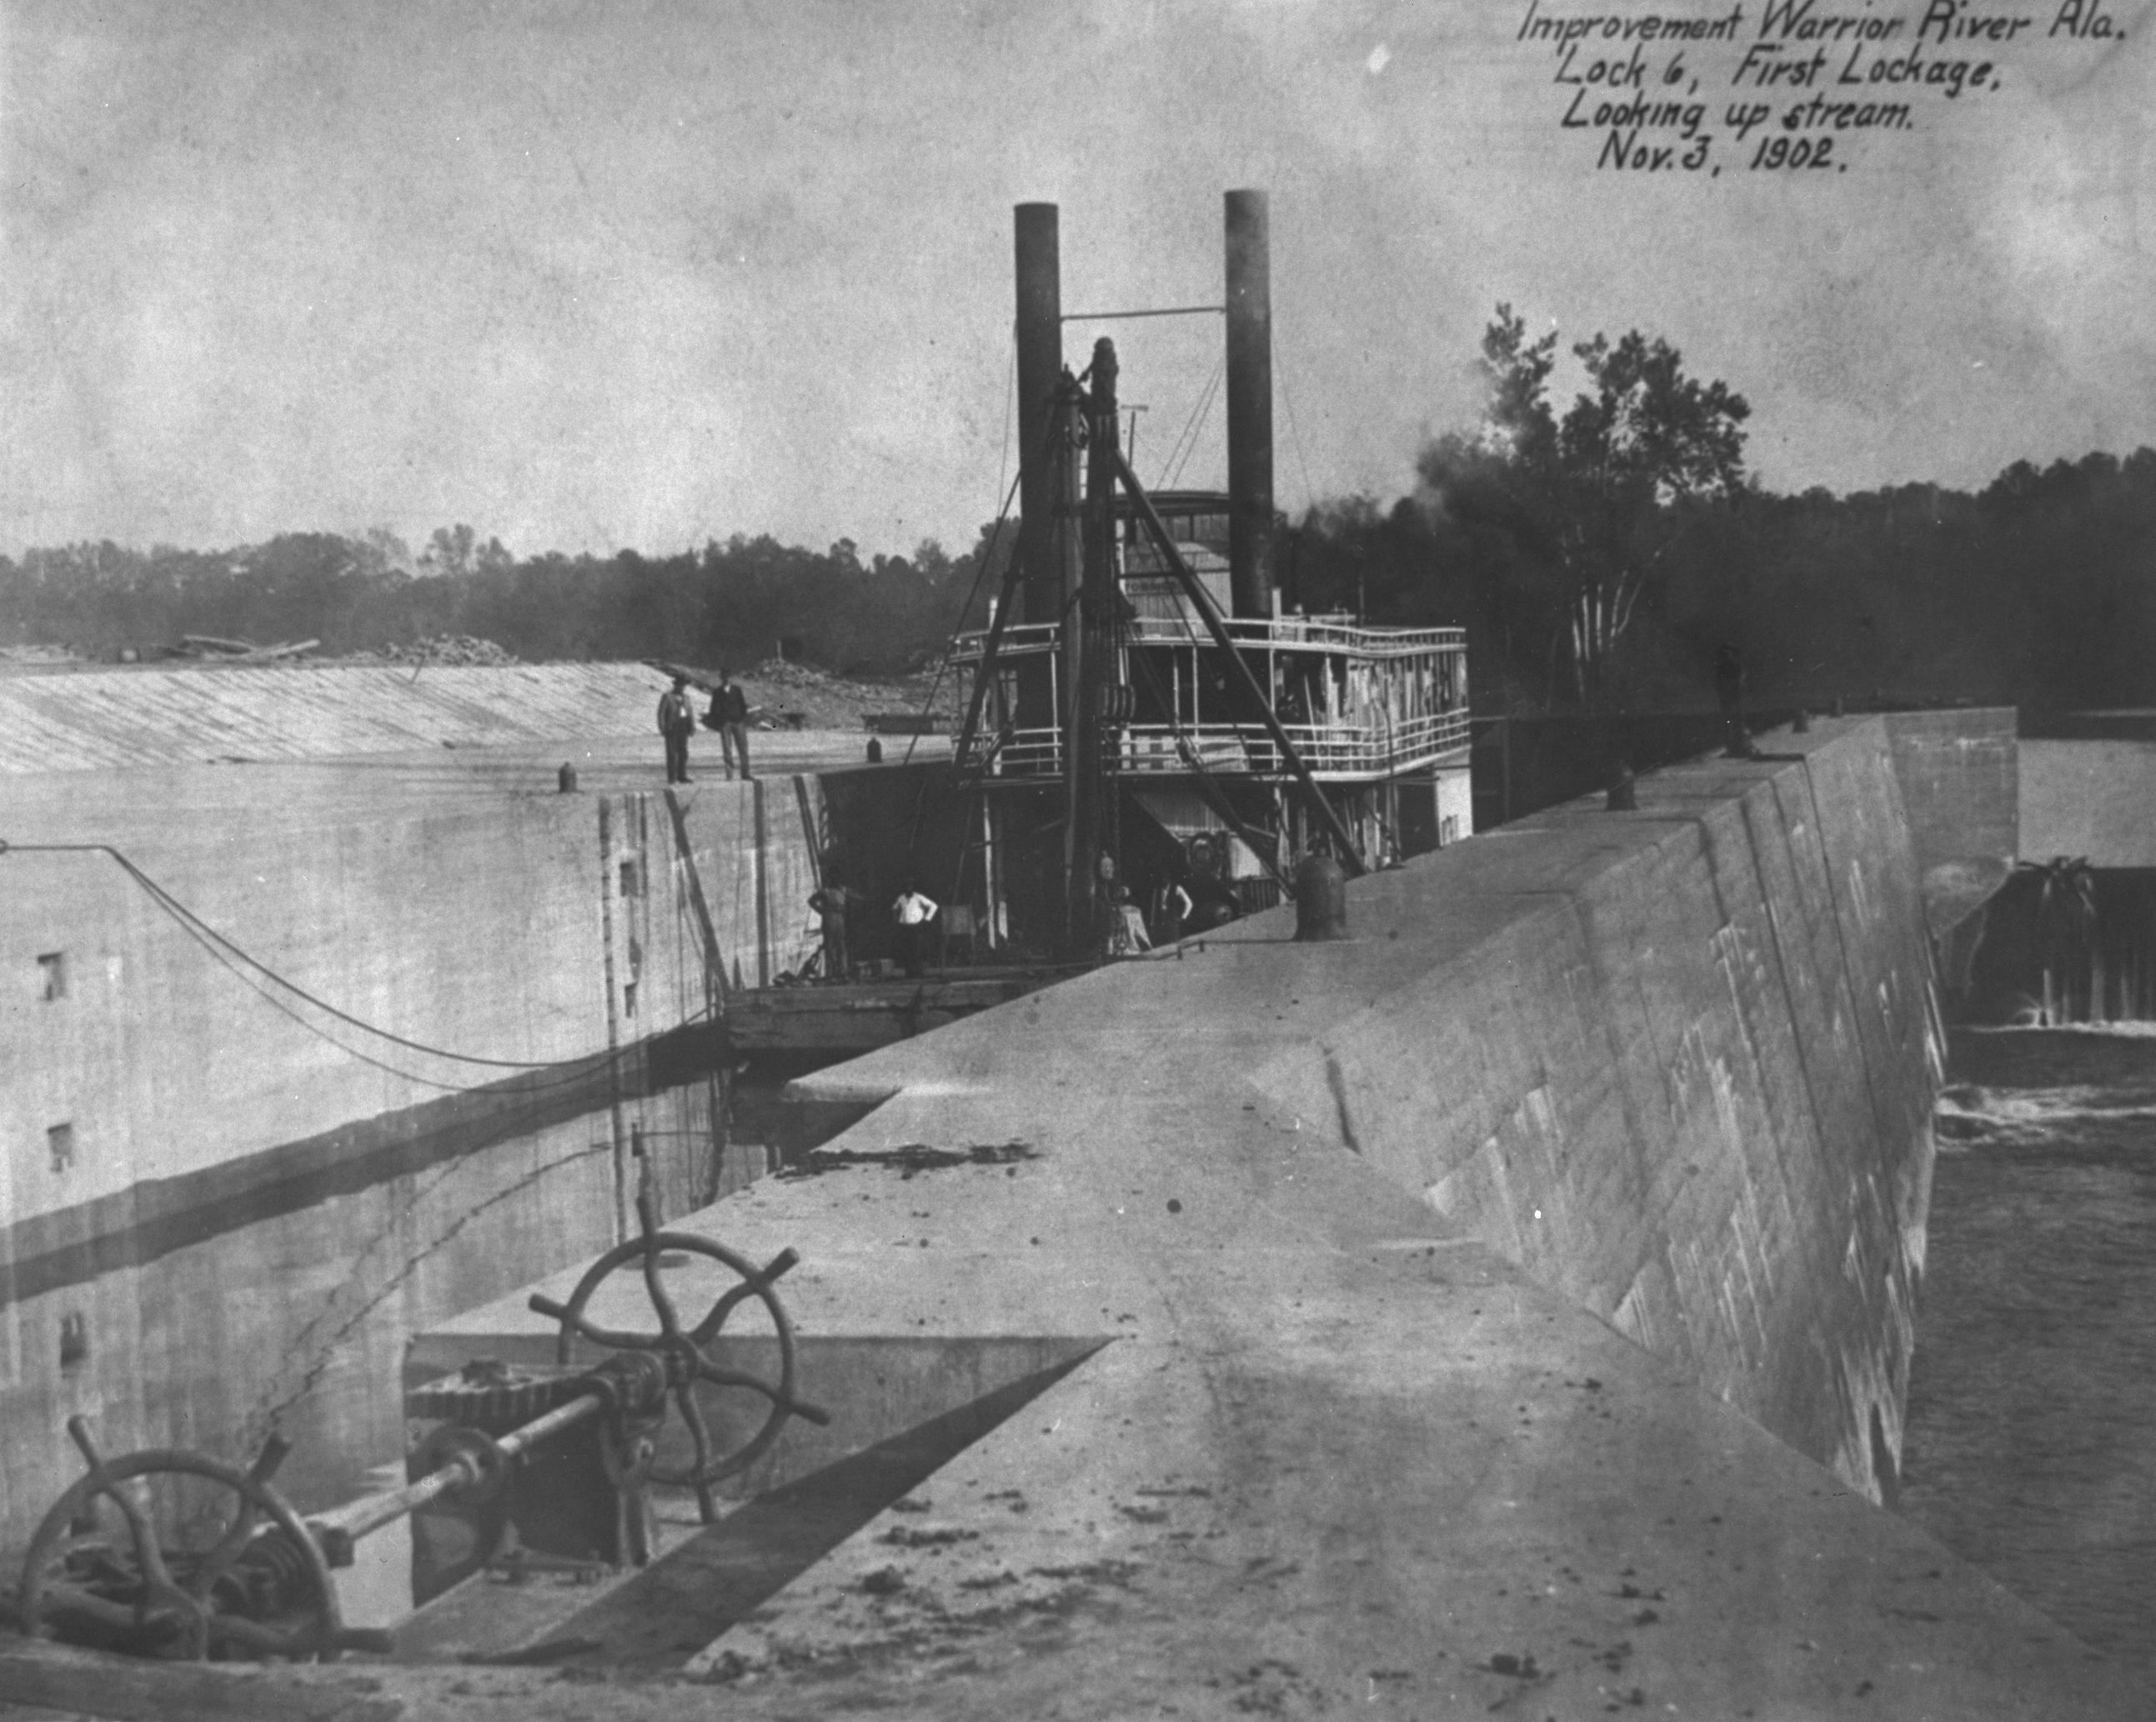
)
(1040, 366)
(1249, 405)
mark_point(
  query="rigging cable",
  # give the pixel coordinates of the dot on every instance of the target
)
(1287, 400)
(232, 957)
(1188, 749)
(988, 559)
(987, 551)
(1186, 444)
(1010, 400)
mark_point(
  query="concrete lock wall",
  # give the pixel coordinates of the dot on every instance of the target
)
(2093, 799)
(1682, 1069)
(222, 1206)
(1677, 1060)
(115, 719)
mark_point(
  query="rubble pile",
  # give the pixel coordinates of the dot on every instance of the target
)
(783, 672)
(456, 648)
(40, 655)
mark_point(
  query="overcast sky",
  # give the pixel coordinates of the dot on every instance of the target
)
(606, 275)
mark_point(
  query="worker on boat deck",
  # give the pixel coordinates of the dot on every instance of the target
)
(915, 912)
(831, 902)
(677, 717)
(729, 716)
(1729, 690)
(1172, 909)
(1126, 932)
(1216, 906)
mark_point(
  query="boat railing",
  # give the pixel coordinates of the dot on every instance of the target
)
(1273, 633)
(1330, 751)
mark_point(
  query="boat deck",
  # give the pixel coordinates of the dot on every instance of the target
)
(838, 1019)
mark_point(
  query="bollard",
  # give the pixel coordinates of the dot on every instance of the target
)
(1837, 705)
(1802, 724)
(568, 778)
(1321, 899)
(875, 751)
(1624, 795)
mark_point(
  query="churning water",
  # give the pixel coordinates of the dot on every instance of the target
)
(2031, 1447)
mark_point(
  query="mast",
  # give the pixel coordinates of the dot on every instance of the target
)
(1068, 412)
(1095, 624)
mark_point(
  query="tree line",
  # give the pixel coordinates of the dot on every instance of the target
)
(1601, 558)
(728, 605)
(1599, 554)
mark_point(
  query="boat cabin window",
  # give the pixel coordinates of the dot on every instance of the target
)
(1209, 529)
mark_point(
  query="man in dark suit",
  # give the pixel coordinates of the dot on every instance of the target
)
(676, 719)
(729, 716)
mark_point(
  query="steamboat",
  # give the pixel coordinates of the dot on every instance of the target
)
(1159, 735)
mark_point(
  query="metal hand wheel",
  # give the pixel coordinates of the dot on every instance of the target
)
(683, 1348)
(244, 1580)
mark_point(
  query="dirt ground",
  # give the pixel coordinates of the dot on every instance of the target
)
(778, 691)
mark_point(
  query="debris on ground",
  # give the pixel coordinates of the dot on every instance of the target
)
(36, 656)
(211, 649)
(913, 1157)
(442, 649)
(905, 1536)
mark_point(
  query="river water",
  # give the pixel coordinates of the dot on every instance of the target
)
(2030, 1445)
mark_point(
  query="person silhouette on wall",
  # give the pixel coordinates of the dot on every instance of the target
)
(677, 719)
(833, 903)
(729, 716)
(1729, 691)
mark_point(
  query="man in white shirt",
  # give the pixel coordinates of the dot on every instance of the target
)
(916, 912)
